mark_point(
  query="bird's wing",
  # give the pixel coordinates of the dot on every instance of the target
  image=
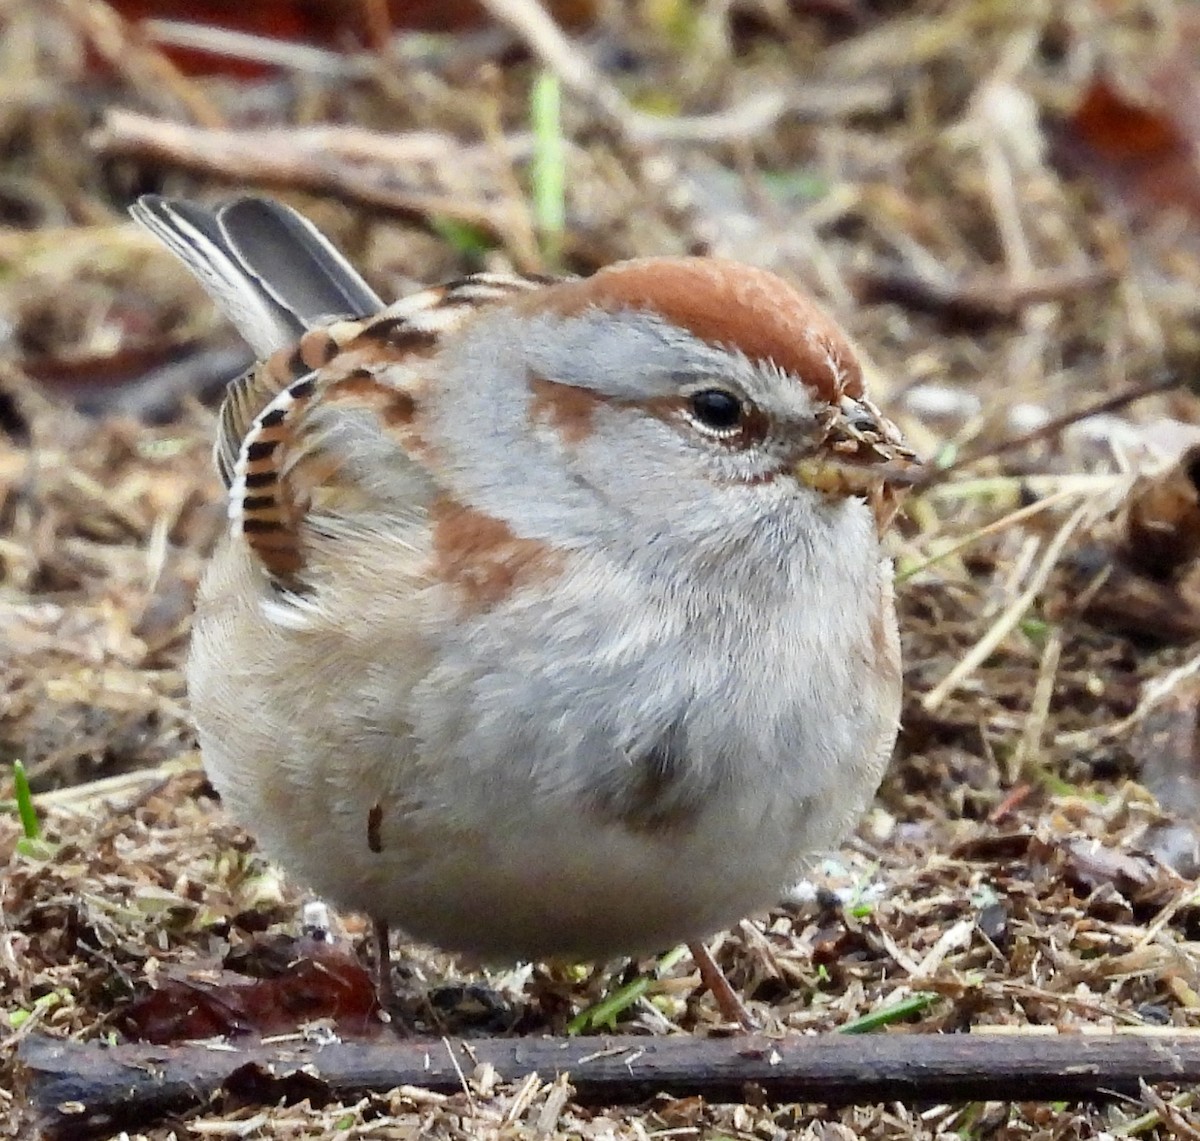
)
(327, 426)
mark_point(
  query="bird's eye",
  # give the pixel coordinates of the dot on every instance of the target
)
(716, 409)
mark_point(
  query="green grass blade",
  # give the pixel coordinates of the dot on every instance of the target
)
(548, 172)
(25, 806)
(603, 1015)
(914, 1004)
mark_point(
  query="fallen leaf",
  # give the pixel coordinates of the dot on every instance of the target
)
(1140, 150)
(281, 984)
(345, 24)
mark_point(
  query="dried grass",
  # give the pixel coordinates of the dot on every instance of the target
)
(1003, 869)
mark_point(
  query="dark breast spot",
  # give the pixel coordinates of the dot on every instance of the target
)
(658, 791)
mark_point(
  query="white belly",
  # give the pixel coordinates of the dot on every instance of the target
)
(551, 883)
(487, 797)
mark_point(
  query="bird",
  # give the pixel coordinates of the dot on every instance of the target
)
(553, 619)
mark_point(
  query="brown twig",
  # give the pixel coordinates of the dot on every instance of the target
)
(1169, 379)
(127, 50)
(268, 51)
(980, 301)
(84, 1089)
(537, 30)
(357, 166)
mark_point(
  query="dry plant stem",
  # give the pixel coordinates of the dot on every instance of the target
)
(1012, 519)
(1055, 427)
(96, 795)
(312, 160)
(1154, 691)
(522, 233)
(728, 1003)
(267, 50)
(378, 23)
(535, 27)
(1026, 759)
(147, 71)
(85, 1089)
(984, 300)
(1003, 626)
(1172, 1113)
(633, 130)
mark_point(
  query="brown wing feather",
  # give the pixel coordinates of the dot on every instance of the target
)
(253, 391)
(271, 452)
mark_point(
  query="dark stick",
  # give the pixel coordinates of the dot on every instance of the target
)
(85, 1090)
(1052, 428)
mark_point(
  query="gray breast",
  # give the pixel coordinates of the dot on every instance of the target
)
(660, 789)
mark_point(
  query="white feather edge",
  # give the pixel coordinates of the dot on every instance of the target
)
(236, 292)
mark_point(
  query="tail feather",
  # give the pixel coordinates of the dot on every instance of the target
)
(295, 262)
(269, 270)
(193, 235)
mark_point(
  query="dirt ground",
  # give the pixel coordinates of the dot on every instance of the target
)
(1000, 202)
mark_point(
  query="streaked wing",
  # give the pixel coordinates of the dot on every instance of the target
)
(342, 436)
(327, 425)
(273, 274)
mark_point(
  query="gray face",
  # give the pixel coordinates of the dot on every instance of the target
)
(632, 429)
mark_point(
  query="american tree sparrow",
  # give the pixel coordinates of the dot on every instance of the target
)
(552, 620)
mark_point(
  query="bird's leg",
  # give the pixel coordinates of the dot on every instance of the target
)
(383, 964)
(728, 1003)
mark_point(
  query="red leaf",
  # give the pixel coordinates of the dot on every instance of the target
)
(296, 981)
(1141, 154)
